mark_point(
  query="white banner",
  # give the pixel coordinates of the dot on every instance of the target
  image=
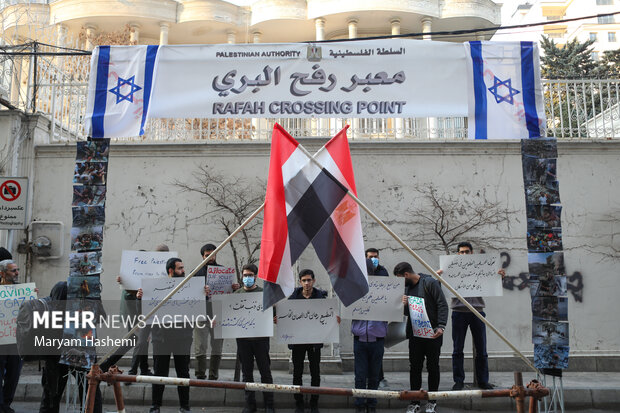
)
(383, 301)
(241, 316)
(188, 301)
(136, 265)
(11, 298)
(307, 321)
(473, 275)
(220, 279)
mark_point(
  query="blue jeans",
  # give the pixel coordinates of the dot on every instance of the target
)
(460, 322)
(368, 361)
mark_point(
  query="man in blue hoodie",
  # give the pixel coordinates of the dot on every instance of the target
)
(369, 337)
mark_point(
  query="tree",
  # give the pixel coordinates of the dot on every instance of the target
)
(571, 61)
(610, 64)
(231, 200)
(443, 220)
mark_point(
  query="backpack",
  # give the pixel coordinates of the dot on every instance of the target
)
(26, 333)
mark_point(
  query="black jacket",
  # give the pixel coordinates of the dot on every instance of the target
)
(434, 301)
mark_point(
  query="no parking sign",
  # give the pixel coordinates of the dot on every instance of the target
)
(13, 198)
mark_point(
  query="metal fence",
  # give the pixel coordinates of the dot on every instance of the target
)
(575, 109)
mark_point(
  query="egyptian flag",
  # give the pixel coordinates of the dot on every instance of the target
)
(300, 203)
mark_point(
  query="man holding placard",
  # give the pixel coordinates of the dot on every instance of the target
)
(427, 311)
(176, 340)
(462, 318)
(204, 332)
(254, 348)
(306, 291)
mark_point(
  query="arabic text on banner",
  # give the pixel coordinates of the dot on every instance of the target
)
(188, 301)
(383, 301)
(307, 321)
(220, 279)
(419, 318)
(11, 298)
(473, 275)
(136, 265)
(241, 316)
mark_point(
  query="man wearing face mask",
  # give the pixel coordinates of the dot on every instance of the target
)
(175, 340)
(372, 254)
(203, 332)
(254, 348)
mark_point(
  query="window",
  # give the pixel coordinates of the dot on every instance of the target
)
(594, 56)
(605, 19)
(611, 36)
(593, 36)
(604, 2)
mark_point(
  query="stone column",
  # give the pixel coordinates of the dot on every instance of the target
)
(61, 35)
(134, 35)
(163, 33)
(399, 123)
(431, 124)
(319, 26)
(90, 33)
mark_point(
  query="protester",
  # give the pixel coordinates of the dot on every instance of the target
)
(254, 348)
(368, 341)
(462, 318)
(306, 291)
(10, 362)
(204, 331)
(377, 269)
(420, 348)
(177, 341)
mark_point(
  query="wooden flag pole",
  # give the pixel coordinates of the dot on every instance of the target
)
(424, 264)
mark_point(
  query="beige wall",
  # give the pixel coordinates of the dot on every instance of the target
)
(144, 208)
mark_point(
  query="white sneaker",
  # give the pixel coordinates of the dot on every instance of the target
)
(413, 408)
(430, 407)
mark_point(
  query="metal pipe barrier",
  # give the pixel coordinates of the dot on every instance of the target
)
(534, 390)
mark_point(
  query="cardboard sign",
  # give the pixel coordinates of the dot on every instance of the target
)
(383, 302)
(11, 298)
(188, 301)
(307, 321)
(473, 275)
(136, 265)
(220, 279)
(241, 315)
(419, 318)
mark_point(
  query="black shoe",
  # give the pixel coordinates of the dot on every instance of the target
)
(269, 409)
(458, 385)
(132, 372)
(154, 409)
(201, 376)
(486, 386)
(148, 373)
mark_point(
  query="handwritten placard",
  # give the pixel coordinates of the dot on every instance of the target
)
(307, 321)
(188, 301)
(220, 279)
(136, 265)
(419, 318)
(473, 275)
(383, 302)
(11, 298)
(241, 316)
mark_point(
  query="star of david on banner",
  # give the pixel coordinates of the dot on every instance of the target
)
(116, 90)
(495, 90)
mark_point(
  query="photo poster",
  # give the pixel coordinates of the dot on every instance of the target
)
(220, 279)
(420, 322)
(89, 180)
(189, 301)
(307, 321)
(383, 302)
(11, 298)
(241, 316)
(137, 265)
(547, 275)
(473, 275)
